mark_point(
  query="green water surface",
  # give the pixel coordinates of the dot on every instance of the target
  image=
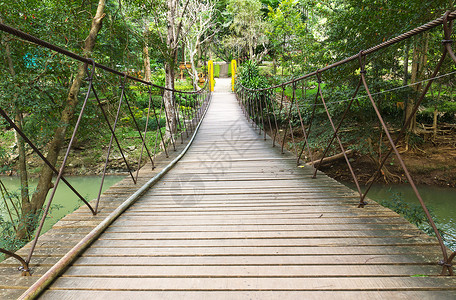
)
(440, 200)
(65, 201)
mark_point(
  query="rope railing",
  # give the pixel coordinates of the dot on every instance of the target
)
(194, 103)
(257, 102)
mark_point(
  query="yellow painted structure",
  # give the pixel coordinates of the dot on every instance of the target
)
(210, 69)
(233, 73)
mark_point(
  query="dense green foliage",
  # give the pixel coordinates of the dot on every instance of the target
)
(249, 76)
(306, 35)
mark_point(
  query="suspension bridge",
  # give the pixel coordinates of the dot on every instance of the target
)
(227, 216)
(236, 219)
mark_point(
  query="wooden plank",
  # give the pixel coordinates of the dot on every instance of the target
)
(195, 209)
(260, 251)
(259, 203)
(146, 221)
(37, 261)
(252, 284)
(260, 214)
(251, 260)
(266, 227)
(261, 234)
(290, 242)
(249, 217)
(251, 271)
(17, 281)
(10, 293)
(307, 198)
(11, 271)
(247, 295)
(254, 190)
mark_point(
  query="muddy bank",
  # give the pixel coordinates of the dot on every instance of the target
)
(432, 162)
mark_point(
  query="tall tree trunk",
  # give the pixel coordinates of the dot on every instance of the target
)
(22, 168)
(168, 97)
(413, 79)
(436, 113)
(251, 51)
(406, 63)
(147, 72)
(194, 72)
(434, 123)
(451, 91)
(419, 60)
(274, 66)
(171, 42)
(54, 147)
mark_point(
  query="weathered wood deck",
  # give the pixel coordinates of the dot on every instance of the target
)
(235, 219)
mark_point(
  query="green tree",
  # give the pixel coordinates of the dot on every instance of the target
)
(356, 25)
(26, 67)
(247, 27)
(199, 26)
(287, 32)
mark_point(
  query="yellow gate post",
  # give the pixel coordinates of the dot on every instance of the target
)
(233, 73)
(210, 69)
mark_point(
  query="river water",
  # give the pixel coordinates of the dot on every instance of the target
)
(440, 200)
(65, 201)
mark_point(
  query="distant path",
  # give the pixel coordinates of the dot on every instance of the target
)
(222, 85)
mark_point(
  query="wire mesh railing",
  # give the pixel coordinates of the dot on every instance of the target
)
(264, 106)
(187, 109)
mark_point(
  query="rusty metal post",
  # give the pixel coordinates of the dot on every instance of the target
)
(361, 202)
(310, 125)
(62, 167)
(338, 127)
(404, 167)
(306, 143)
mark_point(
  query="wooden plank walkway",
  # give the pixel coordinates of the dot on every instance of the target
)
(235, 219)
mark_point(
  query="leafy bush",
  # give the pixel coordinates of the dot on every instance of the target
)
(184, 87)
(152, 124)
(187, 100)
(249, 76)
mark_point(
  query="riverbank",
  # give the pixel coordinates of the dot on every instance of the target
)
(85, 161)
(65, 201)
(433, 165)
